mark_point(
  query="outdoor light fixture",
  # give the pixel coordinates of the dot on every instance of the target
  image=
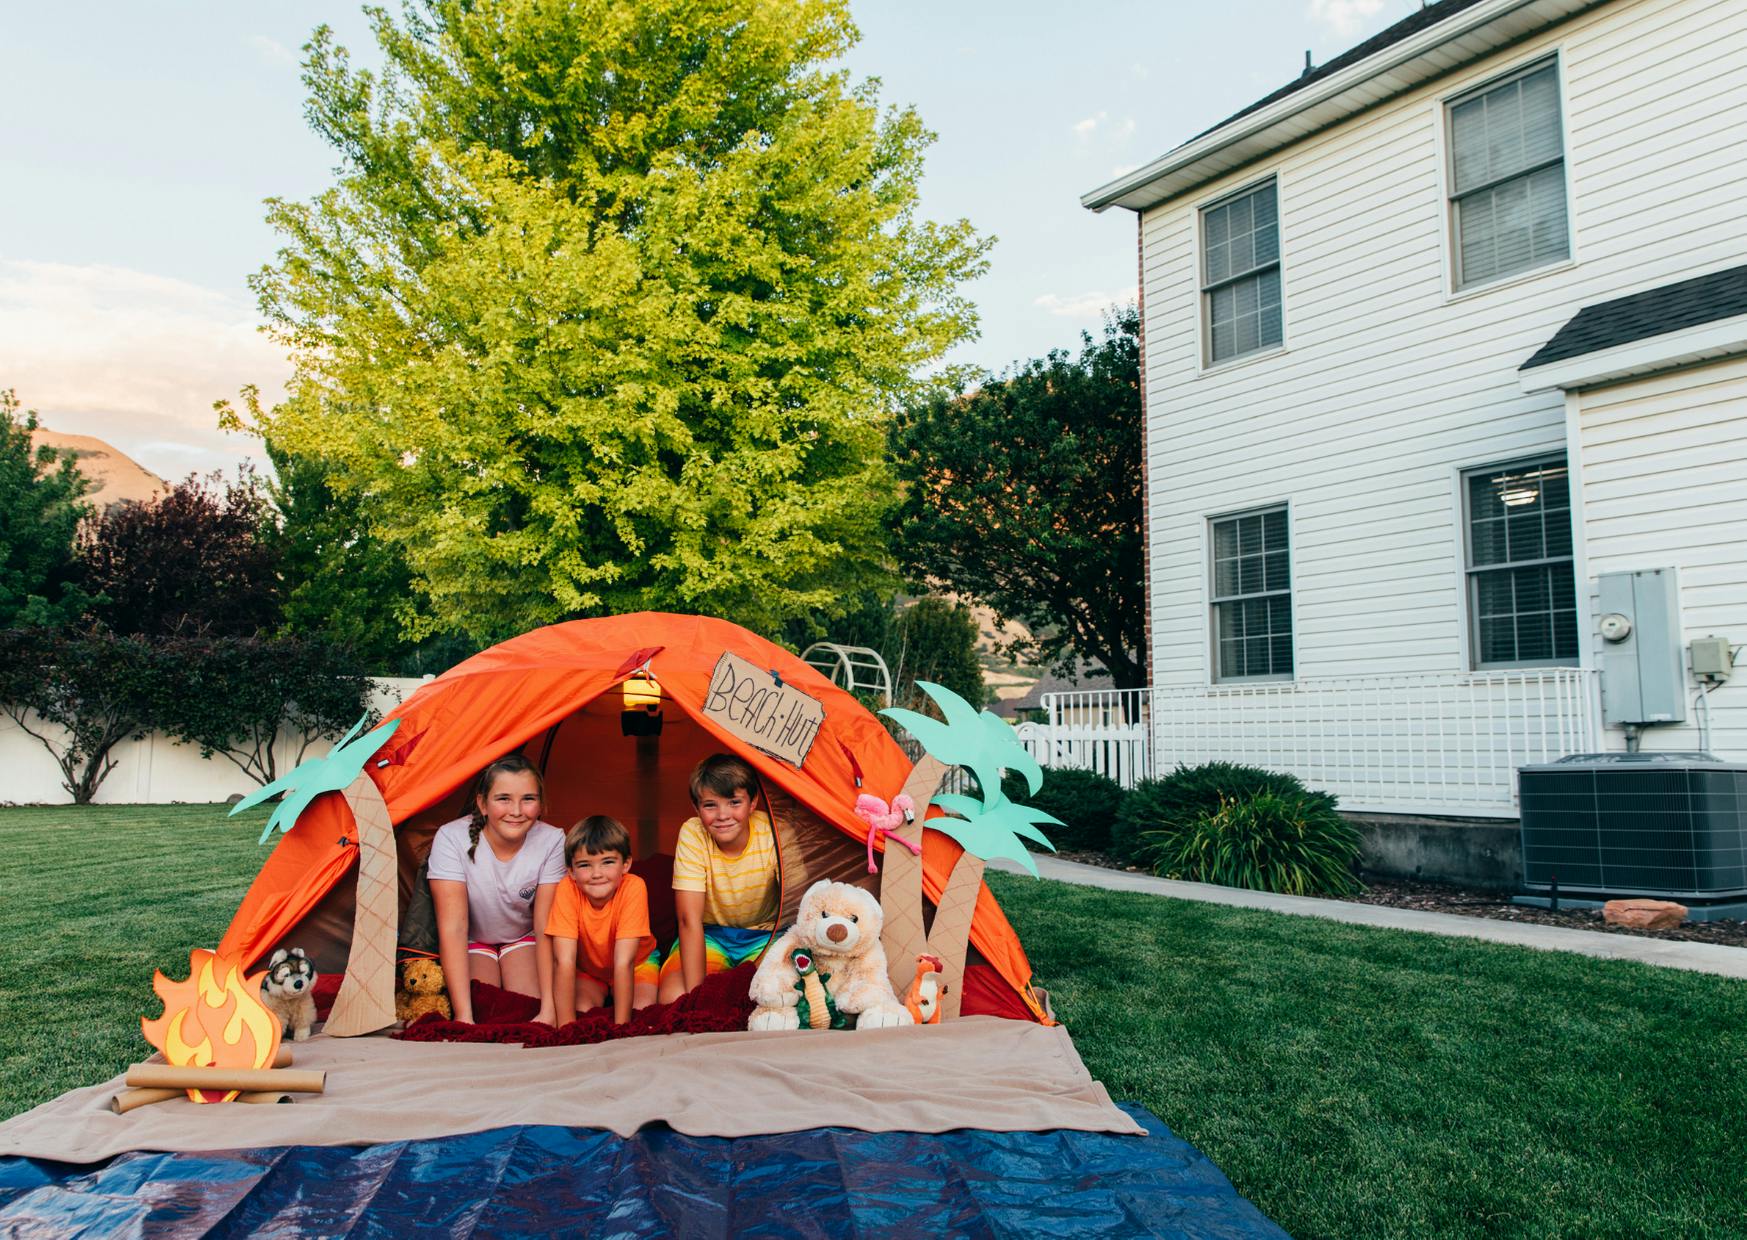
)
(641, 714)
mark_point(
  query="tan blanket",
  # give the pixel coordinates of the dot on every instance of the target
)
(980, 1072)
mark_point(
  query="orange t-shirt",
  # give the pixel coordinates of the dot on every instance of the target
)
(626, 916)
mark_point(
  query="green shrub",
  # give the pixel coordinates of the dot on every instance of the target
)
(1188, 793)
(1085, 801)
(1293, 843)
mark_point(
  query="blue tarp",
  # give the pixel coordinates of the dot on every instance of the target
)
(542, 1180)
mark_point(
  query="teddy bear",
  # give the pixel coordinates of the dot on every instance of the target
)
(288, 991)
(836, 936)
(421, 991)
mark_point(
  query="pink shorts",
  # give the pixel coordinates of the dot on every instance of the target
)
(497, 951)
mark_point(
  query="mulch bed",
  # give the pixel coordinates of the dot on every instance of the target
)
(1479, 902)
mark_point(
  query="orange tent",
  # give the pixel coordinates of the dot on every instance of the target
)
(556, 694)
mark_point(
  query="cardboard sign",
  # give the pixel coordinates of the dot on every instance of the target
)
(756, 706)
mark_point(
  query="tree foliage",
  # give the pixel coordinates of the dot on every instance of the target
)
(934, 639)
(234, 696)
(79, 694)
(40, 510)
(196, 557)
(611, 306)
(1025, 494)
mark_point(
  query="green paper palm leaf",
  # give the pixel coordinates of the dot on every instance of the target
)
(334, 771)
(992, 826)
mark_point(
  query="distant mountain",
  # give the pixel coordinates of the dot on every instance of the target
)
(114, 476)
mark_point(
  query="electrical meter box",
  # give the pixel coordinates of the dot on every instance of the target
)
(1643, 673)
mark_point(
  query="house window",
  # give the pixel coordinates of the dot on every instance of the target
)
(1252, 596)
(1507, 177)
(1521, 591)
(1240, 274)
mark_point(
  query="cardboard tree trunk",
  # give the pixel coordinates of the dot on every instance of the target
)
(902, 933)
(950, 936)
(366, 999)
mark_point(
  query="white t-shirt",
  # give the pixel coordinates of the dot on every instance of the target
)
(500, 894)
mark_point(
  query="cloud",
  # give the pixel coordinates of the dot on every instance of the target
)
(1090, 305)
(1083, 130)
(1344, 18)
(133, 358)
(272, 50)
(1122, 170)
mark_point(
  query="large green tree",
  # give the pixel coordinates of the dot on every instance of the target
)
(40, 510)
(611, 305)
(1025, 494)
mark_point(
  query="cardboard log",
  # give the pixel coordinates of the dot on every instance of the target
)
(901, 881)
(133, 1099)
(366, 999)
(168, 1076)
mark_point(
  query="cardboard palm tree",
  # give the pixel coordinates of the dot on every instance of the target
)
(987, 826)
(366, 999)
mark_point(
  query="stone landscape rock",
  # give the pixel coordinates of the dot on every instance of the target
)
(1644, 914)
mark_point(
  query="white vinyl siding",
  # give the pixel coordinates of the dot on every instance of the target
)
(1507, 178)
(1240, 266)
(1392, 387)
(1252, 596)
(1522, 596)
(1662, 461)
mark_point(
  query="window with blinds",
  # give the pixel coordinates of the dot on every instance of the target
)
(1521, 591)
(1507, 177)
(1240, 274)
(1252, 596)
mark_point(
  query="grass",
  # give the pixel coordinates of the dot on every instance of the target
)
(1361, 1082)
(1352, 1082)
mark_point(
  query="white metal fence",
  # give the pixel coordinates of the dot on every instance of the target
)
(1428, 744)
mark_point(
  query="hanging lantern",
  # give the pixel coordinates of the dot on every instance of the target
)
(641, 713)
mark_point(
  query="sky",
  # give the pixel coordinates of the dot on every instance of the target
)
(137, 143)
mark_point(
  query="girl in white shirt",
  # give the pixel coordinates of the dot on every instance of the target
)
(493, 875)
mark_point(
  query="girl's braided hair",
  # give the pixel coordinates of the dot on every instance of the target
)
(509, 764)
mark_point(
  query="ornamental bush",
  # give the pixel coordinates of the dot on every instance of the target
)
(1085, 801)
(1188, 793)
(78, 695)
(1293, 843)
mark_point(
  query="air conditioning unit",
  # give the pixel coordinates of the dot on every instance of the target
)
(1667, 825)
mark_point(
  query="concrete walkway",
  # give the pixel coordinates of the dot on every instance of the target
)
(1699, 957)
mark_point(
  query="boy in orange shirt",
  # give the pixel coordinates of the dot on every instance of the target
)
(599, 926)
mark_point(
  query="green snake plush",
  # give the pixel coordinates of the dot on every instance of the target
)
(816, 1008)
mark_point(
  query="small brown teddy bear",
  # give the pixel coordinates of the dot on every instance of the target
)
(421, 991)
(837, 934)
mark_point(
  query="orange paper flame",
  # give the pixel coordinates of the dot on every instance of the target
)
(215, 1019)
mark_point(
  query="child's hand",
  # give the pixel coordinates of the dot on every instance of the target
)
(544, 1015)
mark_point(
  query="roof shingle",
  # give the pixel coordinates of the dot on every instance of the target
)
(1654, 312)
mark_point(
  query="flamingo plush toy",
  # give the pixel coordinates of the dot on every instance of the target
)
(882, 820)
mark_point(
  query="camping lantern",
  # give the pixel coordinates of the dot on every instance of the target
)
(641, 714)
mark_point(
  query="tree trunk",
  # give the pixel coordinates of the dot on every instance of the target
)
(901, 881)
(950, 936)
(366, 999)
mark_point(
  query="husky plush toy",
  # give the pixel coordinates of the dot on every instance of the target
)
(288, 990)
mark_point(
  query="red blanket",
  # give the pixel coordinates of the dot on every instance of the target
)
(719, 1005)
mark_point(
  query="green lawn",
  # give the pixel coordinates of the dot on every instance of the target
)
(1352, 1082)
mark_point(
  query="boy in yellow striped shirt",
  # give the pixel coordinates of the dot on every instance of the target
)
(725, 888)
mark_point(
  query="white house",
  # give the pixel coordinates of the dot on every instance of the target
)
(1436, 338)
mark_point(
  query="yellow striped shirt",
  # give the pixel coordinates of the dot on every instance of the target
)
(738, 891)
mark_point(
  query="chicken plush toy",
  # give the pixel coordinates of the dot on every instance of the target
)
(923, 1001)
(829, 964)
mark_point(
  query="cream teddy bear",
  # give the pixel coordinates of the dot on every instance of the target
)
(837, 936)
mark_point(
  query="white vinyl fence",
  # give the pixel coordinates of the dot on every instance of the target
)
(156, 770)
(1423, 744)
